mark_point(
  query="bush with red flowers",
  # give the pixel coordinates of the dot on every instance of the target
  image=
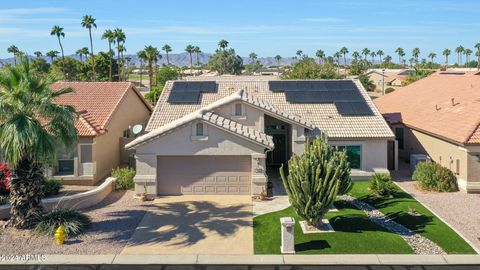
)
(4, 178)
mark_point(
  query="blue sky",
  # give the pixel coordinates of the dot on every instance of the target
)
(266, 27)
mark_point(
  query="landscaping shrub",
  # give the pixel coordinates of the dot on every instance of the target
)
(73, 221)
(433, 176)
(389, 90)
(124, 178)
(381, 184)
(4, 178)
(315, 179)
(51, 187)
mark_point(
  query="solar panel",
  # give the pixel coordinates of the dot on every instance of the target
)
(189, 91)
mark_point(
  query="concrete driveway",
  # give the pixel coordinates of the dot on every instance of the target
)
(195, 224)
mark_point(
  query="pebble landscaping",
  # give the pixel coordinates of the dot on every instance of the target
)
(419, 244)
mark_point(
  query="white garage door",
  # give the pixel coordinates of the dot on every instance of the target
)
(203, 175)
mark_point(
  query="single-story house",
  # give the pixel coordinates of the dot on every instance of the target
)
(269, 72)
(107, 112)
(218, 135)
(399, 79)
(439, 116)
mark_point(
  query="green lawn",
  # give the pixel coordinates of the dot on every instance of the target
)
(355, 233)
(428, 225)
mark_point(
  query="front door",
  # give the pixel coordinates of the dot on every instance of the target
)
(279, 154)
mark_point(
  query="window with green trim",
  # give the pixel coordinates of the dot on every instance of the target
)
(354, 155)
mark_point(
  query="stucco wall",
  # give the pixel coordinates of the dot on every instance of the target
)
(253, 117)
(374, 152)
(106, 148)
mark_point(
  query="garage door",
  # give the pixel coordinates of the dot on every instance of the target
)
(204, 175)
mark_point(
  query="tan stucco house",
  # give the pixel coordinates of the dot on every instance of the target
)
(107, 111)
(439, 116)
(219, 135)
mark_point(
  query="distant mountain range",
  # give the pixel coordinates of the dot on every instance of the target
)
(178, 59)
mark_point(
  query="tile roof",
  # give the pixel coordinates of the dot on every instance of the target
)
(212, 119)
(445, 105)
(96, 102)
(322, 116)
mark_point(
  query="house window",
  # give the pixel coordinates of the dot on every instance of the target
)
(199, 129)
(238, 109)
(399, 136)
(86, 153)
(354, 155)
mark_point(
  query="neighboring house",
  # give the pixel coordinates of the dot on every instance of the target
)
(107, 111)
(269, 72)
(219, 135)
(399, 79)
(439, 116)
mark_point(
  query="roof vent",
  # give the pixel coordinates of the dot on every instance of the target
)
(437, 108)
(454, 103)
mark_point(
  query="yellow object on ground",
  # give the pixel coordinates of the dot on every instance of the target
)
(60, 235)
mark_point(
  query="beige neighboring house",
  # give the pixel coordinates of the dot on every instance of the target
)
(399, 79)
(269, 72)
(439, 116)
(107, 111)
(220, 135)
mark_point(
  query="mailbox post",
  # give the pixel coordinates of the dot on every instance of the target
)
(288, 235)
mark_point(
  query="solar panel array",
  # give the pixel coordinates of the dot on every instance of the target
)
(344, 94)
(189, 92)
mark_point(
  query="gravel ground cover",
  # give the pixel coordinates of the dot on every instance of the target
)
(113, 222)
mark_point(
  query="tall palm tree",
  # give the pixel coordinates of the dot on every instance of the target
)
(387, 60)
(52, 55)
(321, 55)
(167, 50)
(366, 52)
(120, 38)
(299, 53)
(152, 55)
(13, 50)
(278, 57)
(446, 53)
(432, 56)
(79, 52)
(411, 61)
(38, 54)
(109, 35)
(373, 54)
(337, 56)
(253, 56)
(58, 32)
(468, 52)
(355, 56)
(416, 54)
(401, 54)
(32, 126)
(142, 56)
(223, 44)
(189, 50)
(88, 22)
(344, 51)
(459, 50)
(197, 52)
(380, 53)
(477, 46)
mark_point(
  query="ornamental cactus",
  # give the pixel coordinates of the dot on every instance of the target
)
(315, 178)
(60, 235)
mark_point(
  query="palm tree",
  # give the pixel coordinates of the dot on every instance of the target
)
(387, 60)
(477, 46)
(401, 54)
(52, 55)
(167, 50)
(88, 22)
(432, 56)
(355, 56)
(337, 56)
(459, 50)
(344, 51)
(32, 126)
(380, 53)
(122, 49)
(415, 54)
(109, 35)
(373, 54)
(151, 54)
(366, 52)
(321, 55)
(223, 44)
(189, 49)
(446, 52)
(411, 61)
(142, 56)
(253, 56)
(468, 52)
(278, 58)
(120, 39)
(299, 53)
(14, 50)
(79, 52)
(197, 52)
(38, 54)
(58, 31)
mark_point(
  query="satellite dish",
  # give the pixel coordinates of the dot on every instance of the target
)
(137, 129)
